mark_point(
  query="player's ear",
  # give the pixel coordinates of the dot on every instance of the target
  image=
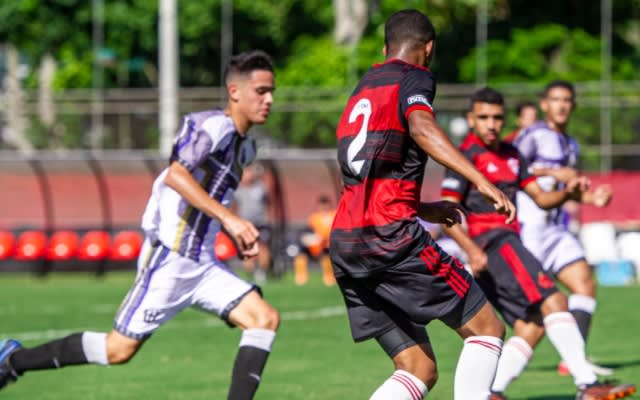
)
(544, 106)
(469, 116)
(232, 91)
(384, 50)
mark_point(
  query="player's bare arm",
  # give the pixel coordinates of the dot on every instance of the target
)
(244, 233)
(431, 138)
(478, 260)
(442, 212)
(562, 174)
(574, 190)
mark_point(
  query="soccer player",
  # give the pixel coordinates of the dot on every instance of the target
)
(392, 275)
(178, 267)
(553, 155)
(511, 277)
(527, 115)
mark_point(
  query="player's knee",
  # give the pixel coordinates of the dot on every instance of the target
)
(120, 349)
(557, 302)
(267, 318)
(120, 355)
(421, 367)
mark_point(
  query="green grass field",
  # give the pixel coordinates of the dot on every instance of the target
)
(313, 357)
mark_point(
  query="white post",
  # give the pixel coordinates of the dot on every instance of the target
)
(605, 86)
(168, 66)
(482, 20)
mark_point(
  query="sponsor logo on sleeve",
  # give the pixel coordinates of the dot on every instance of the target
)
(418, 98)
(451, 183)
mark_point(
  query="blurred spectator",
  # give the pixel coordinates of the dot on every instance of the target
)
(251, 203)
(527, 113)
(315, 243)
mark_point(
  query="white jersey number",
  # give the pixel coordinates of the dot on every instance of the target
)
(362, 107)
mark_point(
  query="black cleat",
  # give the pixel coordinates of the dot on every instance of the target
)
(7, 373)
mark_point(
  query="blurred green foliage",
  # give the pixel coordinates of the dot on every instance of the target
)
(528, 42)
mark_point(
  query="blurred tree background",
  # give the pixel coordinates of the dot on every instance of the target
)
(325, 46)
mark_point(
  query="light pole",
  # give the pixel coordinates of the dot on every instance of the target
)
(97, 75)
(168, 75)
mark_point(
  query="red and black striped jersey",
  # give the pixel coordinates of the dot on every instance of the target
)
(505, 168)
(382, 169)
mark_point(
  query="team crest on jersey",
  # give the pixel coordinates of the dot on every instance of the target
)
(418, 98)
(514, 165)
(544, 281)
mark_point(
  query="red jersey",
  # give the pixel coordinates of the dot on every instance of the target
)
(505, 168)
(382, 169)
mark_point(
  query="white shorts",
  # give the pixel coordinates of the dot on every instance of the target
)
(553, 245)
(167, 283)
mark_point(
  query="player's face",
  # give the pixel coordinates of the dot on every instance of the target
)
(557, 105)
(527, 116)
(254, 95)
(487, 121)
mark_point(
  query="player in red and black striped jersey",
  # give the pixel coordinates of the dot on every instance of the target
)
(511, 277)
(393, 276)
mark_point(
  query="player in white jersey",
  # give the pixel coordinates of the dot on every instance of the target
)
(178, 267)
(553, 156)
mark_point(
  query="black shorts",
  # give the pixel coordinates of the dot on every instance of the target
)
(515, 282)
(431, 285)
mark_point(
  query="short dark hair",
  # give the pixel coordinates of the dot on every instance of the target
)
(409, 27)
(486, 95)
(247, 62)
(524, 104)
(559, 83)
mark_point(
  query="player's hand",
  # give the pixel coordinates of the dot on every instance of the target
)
(243, 232)
(500, 201)
(601, 196)
(578, 185)
(442, 212)
(478, 260)
(251, 252)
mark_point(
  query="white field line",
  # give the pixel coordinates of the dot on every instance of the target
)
(302, 315)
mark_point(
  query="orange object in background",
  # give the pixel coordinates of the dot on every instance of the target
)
(126, 245)
(224, 247)
(63, 245)
(95, 245)
(31, 245)
(7, 244)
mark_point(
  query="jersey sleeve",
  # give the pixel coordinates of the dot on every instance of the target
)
(192, 146)
(527, 146)
(524, 176)
(417, 91)
(454, 185)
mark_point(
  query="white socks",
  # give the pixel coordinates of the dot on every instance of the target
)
(563, 332)
(401, 386)
(94, 346)
(515, 356)
(258, 337)
(476, 367)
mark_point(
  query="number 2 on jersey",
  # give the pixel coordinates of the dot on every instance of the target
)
(362, 107)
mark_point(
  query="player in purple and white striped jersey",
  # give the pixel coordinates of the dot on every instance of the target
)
(553, 156)
(178, 267)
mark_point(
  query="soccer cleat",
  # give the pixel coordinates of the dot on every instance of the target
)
(599, 370)
(497, 396)
(605, 391)
(7, 373)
